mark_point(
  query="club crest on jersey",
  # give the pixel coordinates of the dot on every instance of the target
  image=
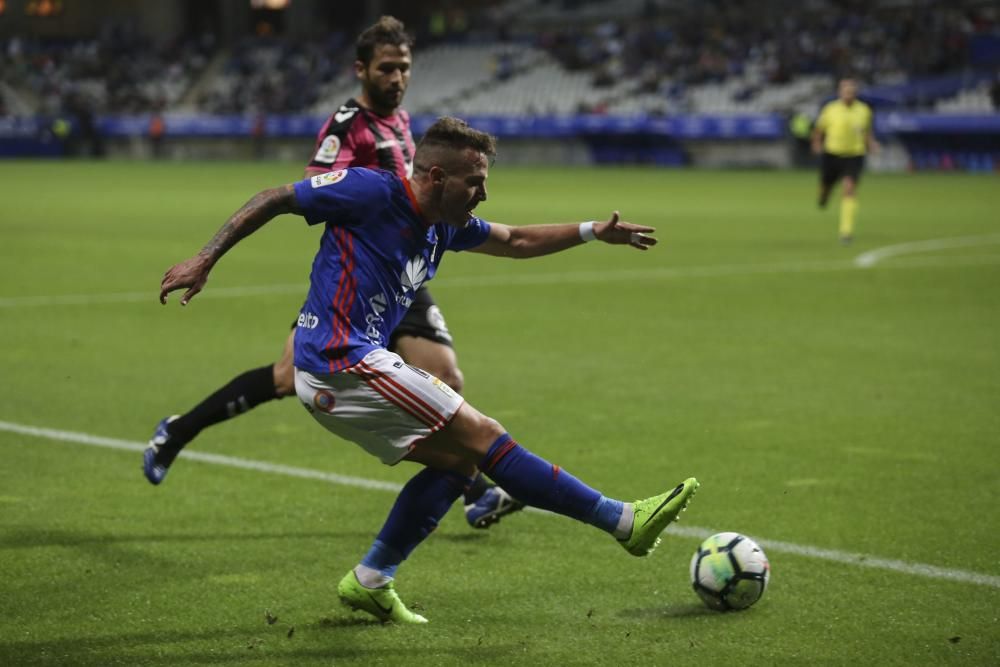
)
(324, 401)
(328, 150)
(329, 178)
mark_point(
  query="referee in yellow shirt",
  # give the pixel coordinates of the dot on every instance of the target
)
(843, 134)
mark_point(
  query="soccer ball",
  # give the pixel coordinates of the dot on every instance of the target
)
(729, 571)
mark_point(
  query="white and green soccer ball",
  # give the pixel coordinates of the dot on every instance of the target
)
(729, 571)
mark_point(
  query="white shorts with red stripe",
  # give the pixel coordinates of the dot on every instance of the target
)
(380, 403)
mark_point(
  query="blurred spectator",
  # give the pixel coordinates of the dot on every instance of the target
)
(117, 72)
(156, 132)
(800, 129)
(273, 75)
(663, 48)
(712, 40)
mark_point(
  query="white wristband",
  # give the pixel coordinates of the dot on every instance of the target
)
(587, 231)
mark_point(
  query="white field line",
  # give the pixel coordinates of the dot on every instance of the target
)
(775, 546)
(873, 257)
(525, 279)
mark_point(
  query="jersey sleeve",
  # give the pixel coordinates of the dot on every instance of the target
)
(472, 235)
(340, 197)
(334, 147)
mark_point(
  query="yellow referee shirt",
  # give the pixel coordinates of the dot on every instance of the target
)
(845, 127)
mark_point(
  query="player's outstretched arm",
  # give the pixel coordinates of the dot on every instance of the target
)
(537, 240)
(192, 274)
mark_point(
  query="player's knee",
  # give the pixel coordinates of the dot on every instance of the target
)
(489, 429)
(472, 426)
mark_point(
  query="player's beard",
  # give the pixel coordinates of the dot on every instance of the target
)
(384, 100)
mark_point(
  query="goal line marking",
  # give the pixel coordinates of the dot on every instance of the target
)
(776, 546)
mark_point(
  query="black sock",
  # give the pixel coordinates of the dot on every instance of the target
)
(478, 487)
(243, 393)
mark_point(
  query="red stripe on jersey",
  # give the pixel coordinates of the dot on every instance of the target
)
(347, 299)
(555, 471)
(343, 298)
(337, 323)
(413, 201)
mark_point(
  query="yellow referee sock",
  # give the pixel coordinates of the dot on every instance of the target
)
(848, 212)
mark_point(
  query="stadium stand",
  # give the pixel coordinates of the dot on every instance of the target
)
(272, 75)
(673, 59)
(559, 57)
(116, 72)
(971, 100)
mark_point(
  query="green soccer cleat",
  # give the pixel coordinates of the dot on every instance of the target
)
(382, 603)
(653, 514)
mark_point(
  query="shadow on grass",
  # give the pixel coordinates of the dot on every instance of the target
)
(668, 611)
(470, 537)
(328, 639)
(46, 537)
(136, 553)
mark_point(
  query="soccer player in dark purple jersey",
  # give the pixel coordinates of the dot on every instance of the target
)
(383, 238)
(369, 131)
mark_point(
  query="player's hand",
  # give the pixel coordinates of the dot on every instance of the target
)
(191, 274)
(619, 232)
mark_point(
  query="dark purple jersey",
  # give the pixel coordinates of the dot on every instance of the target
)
(356, 137)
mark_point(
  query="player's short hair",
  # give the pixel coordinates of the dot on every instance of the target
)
(387, 30)
(454, 133)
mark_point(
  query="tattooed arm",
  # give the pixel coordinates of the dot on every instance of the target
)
(192, 273)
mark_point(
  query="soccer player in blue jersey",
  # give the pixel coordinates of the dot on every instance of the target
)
(372, 130)
(384, 237)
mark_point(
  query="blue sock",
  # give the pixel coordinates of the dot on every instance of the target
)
(606, 514)
(535, 481)
(383, 558)
(424, 500)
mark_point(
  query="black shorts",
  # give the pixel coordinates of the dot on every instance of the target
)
(422, 320)
(833, 168)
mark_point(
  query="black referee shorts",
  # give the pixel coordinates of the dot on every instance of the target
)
(834, 167)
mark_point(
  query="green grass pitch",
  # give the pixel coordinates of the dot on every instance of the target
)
(843, 414)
